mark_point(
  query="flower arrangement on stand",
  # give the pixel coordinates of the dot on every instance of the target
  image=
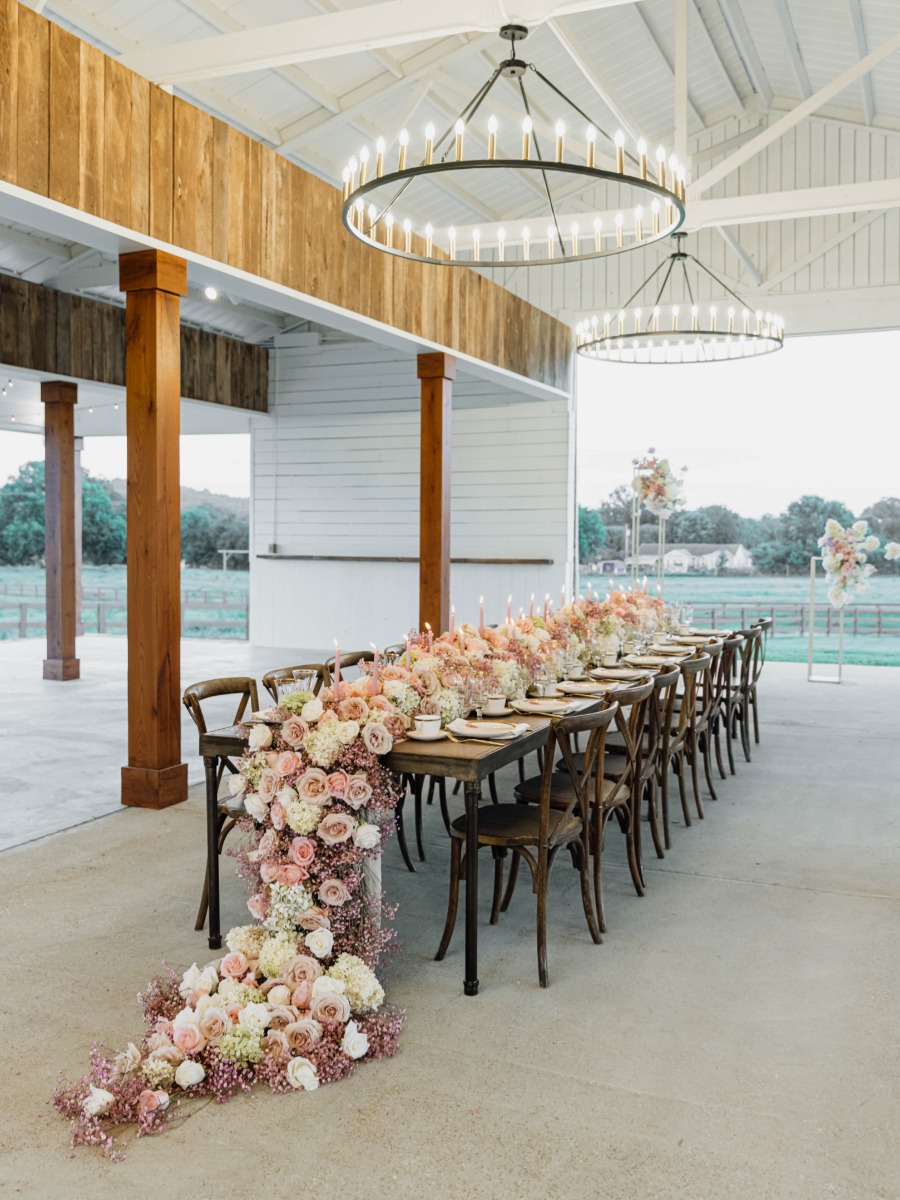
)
(660, 491)
(296, 1001)
(844, 560)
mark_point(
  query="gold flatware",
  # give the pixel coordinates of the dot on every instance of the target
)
(477, 741)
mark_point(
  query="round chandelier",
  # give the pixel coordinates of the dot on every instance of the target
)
(680, 332)
(582, 202)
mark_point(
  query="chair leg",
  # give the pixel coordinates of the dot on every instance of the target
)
(653, 816)
(431, 783)
(543, 973)
(598, 831)
(457, 870)
(582, 864)
(680, 765)
(707, 765)
(499, 853)
(718, 745)
(511, 883)
(204, 903)
(745, 729)
(634, 858)
(753, 705)
(419, 788)
(442, 798)
(492, 787)
(665, 770)
(694, 754)
(401, 835)
(729, 738)
(521, 765)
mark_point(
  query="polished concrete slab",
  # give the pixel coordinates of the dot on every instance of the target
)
(734, 1037)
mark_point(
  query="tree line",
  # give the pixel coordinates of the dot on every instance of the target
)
(780, 545)
(205, 528)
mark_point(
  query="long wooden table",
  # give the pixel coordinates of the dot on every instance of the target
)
(471, 762)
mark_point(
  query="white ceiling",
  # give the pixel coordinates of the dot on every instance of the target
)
(751, 63)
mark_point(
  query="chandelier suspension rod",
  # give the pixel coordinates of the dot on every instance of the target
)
(660, 266)
(742, 303)
(580, 111)
(687, 281)
(562, 244)
(664, 282)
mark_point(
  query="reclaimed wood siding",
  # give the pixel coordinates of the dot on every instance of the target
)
(158, 165)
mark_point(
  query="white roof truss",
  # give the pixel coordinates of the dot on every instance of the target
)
(862, 49)
(746, 48)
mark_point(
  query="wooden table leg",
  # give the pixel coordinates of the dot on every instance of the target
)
(473, 798)
(212, 850)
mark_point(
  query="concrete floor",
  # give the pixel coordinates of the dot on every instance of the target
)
(734, 1037)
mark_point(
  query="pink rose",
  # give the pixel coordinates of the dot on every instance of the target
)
(337, 784)
(290, 874)
(303, 1035)
(159, 1040)
(164, 1027)
(271, 757)
(359, 792)
(313, 918)
(301, 996)
(381, 704)
(214, 1024)
(281, 1015)
(336, 827)
(288, 763)
(268, 872)
(302, 851)
(327, 717)
(377, 738)
(312, 786)
(188, 1038)
(259, 906)
(354, 708)
(233, 1012)
(268, 844)
(301, 969)
(275, 1046)
(333, 893)
(268, 785)
(152, 1101)
(234, 965)
(431, 706)
(277, 816)
(394, 672)
(428, 680)
(293, 731)
(331, 1006)
(397, 724)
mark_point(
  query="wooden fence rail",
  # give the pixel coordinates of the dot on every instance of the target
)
(877, 620)
(109, 616)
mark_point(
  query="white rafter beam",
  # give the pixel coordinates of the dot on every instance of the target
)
(23, 240)
(332, 35)
(862, 49)
(794, 117)
(746, 48)
(798, 66)
(615, 105)
(740, 254)
(670, 65)
(788, 206)
(716, 57)
(821, 249)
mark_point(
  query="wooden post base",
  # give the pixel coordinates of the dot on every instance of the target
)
(62, 668)
(144, 787)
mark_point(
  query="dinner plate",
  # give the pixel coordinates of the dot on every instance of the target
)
(501, 712)
(543, 706)
(572, 687)
(491, 730)
(618, 673)
(649, 660)
(714, 633)
(672, 651)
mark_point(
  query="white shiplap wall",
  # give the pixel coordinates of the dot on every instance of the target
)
(336, 472)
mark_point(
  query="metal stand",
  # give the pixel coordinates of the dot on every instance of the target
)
(817, 558)
(635, 535)
(660, 557)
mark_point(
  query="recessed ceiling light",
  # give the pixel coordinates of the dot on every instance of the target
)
(210, 293)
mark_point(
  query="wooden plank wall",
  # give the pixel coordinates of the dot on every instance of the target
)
(45, 330)
(77, 126)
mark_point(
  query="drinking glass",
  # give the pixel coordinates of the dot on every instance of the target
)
(475, 697)
(305, 681)
(687, 614)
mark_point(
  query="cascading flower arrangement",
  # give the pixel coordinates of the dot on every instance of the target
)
(844, 559)
(296, 1001)
(658, 488)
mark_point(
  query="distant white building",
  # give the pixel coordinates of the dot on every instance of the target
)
(684, 557)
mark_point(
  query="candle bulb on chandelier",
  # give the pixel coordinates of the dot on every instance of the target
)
(404, 146)
(574, 235)
(713, 312)
(407, 236)
(345, 180)
(551, 242)
(373, 221)
(598, 235)
(654, 208)
(352, 167)
(451, 233)
(694, 314)
(591, 147)
(476, 245)
(560, 140)
(389, 231)
(621, 322)
(656, 319)
(620, 151)
(639, 224)
(731, 320)
(637, 320)
(363, 165)
(674, 318)
(526, 235)
(429, 143)
(379, 158)
(745, 318)
(661, 166)
(527, 126)
(460, 129)
(429, 235)
(501, 244)
(642, 157)
(492, 137)
(620, 221)
(607, 317)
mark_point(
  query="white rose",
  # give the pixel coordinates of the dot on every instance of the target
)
(302, 1074)
(209, 979)
(871, 542)
(354, 1043)
(312, 710)
(347, 732)
(366, 837)
(859, 528)
(892, 551)
(236, 785)
(226, 990)
(260, 737)
(325, 986)
(279, 994)
(189, 1074)
(320, 941)
(189, 981)
(205, 1002)
(833, 528)
(256, 806)
(97, 1102)
(187, 1016)
(254, 1016)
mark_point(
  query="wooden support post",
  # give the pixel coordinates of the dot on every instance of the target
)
(436, 372)
(153, 282)
(59, 400)
(79, 594)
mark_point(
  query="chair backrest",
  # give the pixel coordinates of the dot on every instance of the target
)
(631, 718)
(707, 683)
(727, 661)
(659, 717)
(272, 679)
(590, 773)
(241, 686)
(691, 670)
(398, 648)
(751, 656)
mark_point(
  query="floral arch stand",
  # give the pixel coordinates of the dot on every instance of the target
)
(810, 677)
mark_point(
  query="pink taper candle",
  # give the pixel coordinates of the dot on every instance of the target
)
(546, 605)
(408, 654)
(337, 671)
(374, 670)
(531, 606)
(509, 610)
(481, 617)
(430, 635)
(452, 620)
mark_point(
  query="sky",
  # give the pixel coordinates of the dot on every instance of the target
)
(821, 416)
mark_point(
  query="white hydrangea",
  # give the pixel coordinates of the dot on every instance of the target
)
(361, 986)
(286, 903)
(303, 818)
(323, 744)
(276, 952)
(449, 705)
(402, 696)
(246, 940)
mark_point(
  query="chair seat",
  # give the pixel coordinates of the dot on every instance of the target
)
(562, 790)
(517, 825)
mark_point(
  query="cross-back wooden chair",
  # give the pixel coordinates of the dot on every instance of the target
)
(229, 809)
(759, 662)
(750, 671)
(619, 791)
(537, 832)
(728, 695)
(699, 739)
(272, 679)
(673, 753)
